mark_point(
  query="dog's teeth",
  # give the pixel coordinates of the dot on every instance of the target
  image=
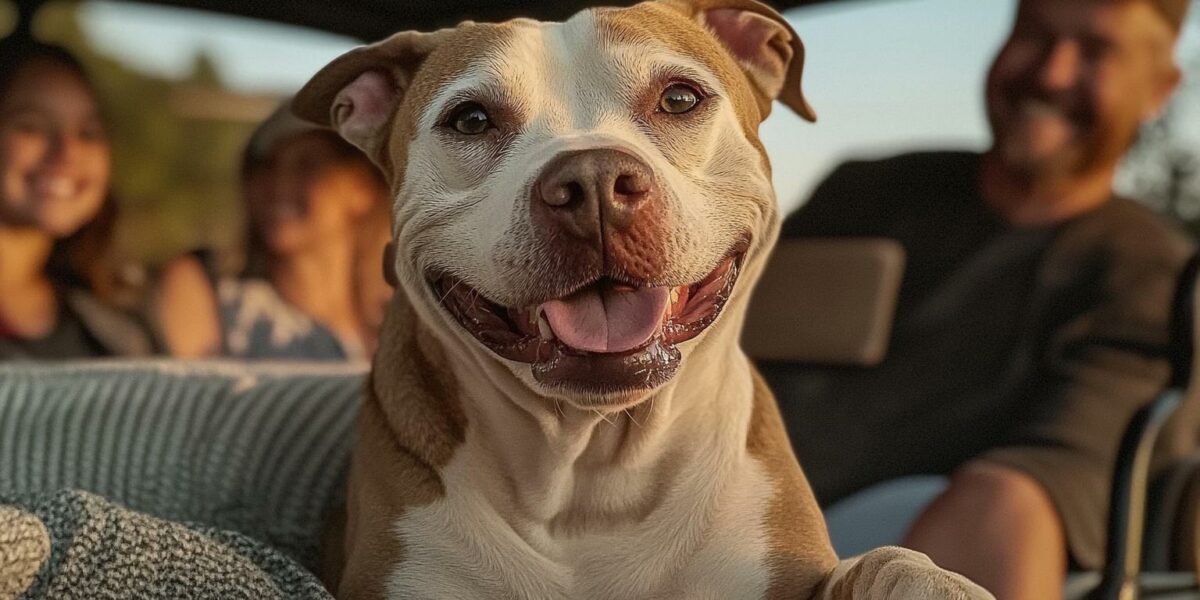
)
(674, 297)
(543, 326)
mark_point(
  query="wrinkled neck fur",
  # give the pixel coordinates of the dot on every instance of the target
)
(558, 467)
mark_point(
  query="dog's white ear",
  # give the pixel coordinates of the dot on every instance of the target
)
(763, 43)
(357, 93)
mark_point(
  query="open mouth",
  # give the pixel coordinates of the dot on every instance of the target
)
(606, 337)
(54, 187)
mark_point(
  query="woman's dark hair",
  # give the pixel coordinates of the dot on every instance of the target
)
(83, 259)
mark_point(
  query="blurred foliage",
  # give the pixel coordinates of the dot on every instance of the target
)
(1163, 168)
(8, 18)
(174, 176)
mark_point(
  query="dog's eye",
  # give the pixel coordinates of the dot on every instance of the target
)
(471, 119)
(678, 99)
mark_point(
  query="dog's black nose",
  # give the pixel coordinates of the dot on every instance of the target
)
(585, 191)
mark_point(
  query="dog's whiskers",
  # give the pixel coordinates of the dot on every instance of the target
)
(602, 416)
(629, 415)
(450, 291)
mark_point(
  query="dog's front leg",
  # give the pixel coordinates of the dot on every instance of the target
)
(897, 574)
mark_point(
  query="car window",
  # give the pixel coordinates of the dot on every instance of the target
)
(251, 56)
(886, 77)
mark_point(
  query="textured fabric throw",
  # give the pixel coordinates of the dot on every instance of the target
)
(172, 456)
(72, 545)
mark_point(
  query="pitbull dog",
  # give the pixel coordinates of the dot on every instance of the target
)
(559, 408)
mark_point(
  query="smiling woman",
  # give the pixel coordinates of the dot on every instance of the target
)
(183, 90)
(56, 213)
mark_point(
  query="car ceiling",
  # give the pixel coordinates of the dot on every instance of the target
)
(375, 19)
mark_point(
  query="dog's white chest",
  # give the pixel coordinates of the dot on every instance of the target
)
(705, 541)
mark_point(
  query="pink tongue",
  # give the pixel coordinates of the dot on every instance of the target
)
(607, 321)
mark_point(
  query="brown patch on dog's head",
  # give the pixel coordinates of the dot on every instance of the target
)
(364, 93)
(358, 93)
(757, 54)
(765, 46)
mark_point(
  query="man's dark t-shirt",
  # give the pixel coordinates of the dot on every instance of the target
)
(1031, 347)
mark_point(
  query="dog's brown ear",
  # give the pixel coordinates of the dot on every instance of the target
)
(764, 44)
(357, 93)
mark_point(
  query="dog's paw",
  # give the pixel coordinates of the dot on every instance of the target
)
(899, 574)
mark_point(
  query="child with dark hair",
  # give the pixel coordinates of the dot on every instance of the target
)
(311, 201)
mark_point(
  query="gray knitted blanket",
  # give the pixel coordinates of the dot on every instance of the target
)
(72, 545)
(260, 450)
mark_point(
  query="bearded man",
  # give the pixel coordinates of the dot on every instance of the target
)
(1033, 315)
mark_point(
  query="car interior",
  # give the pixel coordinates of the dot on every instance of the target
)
(262, 449)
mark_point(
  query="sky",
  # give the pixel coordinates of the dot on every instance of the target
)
(883, 76)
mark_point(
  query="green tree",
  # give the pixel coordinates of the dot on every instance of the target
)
(1163, 168)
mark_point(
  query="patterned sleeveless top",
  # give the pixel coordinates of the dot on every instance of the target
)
(257, 323)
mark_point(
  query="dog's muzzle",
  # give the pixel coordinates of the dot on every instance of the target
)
(607, 325)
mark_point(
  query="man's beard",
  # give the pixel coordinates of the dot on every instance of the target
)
(1085, 151)
(1020, 158)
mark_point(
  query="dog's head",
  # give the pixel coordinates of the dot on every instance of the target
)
(578, 198)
